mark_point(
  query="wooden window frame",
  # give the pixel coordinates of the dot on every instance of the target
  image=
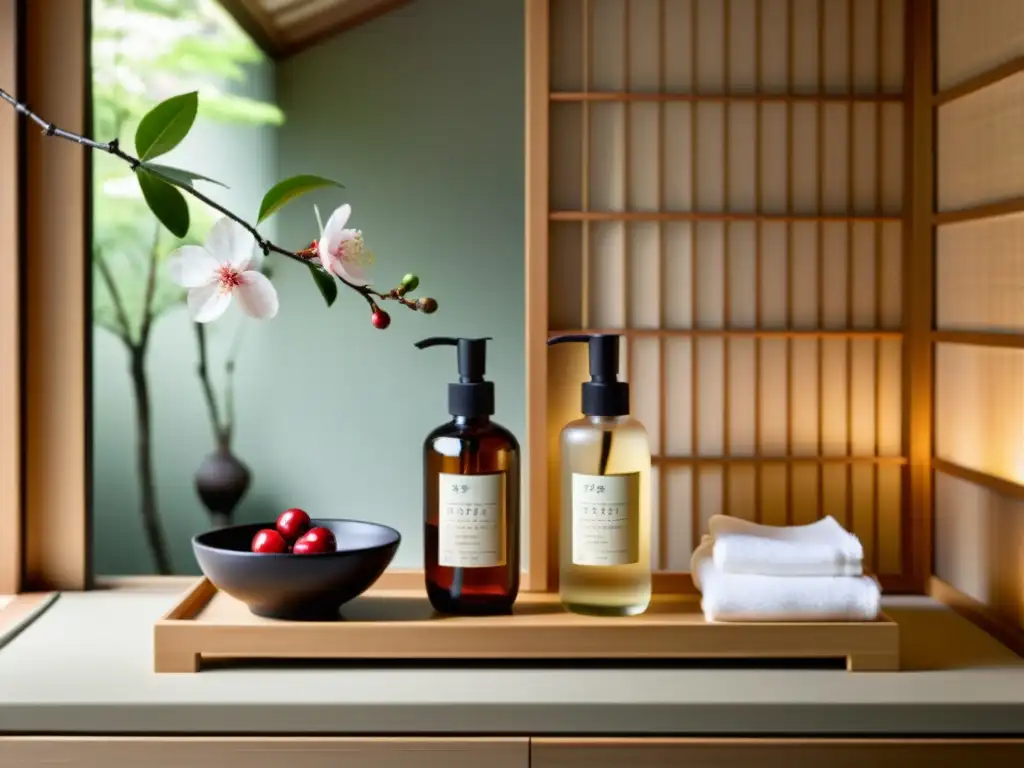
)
(10, 316)
(45, 217)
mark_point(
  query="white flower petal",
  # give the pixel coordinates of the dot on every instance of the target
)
(351, 272)
(208, 302)
(230, 243)
(332, 235)
(337, 222)
(191, 266)
(257, 296)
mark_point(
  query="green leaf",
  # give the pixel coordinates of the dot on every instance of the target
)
(166, 203)
(327, 285)
(285, 191)
(179, 177)
(164, 126)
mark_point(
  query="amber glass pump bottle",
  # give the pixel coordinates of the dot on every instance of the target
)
(470, 496)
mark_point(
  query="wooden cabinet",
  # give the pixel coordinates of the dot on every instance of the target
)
(773, 753)
(323, 752)
(290, 752)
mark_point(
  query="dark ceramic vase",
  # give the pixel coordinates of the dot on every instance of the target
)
(221, 482)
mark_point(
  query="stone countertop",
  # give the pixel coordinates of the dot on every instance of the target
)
(85, 666)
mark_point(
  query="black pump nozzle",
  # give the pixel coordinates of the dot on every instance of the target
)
(472, 396)
(604, 394)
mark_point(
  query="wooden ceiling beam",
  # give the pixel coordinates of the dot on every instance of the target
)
(258, 24)
(282, 28)
(333, 21)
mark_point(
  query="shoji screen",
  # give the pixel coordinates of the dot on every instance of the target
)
(725, 187)
(979, 355)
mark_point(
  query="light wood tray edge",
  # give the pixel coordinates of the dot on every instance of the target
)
(180, 642)
(21, 611)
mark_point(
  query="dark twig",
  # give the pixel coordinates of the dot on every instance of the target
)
(219, 429)
(115, 297)
(147, 307)
(229, 382)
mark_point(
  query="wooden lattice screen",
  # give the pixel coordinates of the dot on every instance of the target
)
(722, 182)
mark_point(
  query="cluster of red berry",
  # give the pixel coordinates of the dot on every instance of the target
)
(292, 533)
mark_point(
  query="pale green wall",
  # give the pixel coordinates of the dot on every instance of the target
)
(420, 114)
(243, 157)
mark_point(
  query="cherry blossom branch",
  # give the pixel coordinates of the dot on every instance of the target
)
(114, 148)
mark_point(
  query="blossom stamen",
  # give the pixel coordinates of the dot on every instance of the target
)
(229, 278)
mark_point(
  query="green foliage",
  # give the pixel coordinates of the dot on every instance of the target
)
(142, 52)
(179, 177)
(326, 283)
(166, 203)
(288, 190)
(166, 125)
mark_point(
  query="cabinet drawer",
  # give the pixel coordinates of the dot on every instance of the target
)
(774, 753)
(290, 752)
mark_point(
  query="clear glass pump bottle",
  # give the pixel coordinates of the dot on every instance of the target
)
(605, 564)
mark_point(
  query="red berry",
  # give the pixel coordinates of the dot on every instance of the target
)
(380, 319)
(315, 541)
(292, 523)
(269, 542)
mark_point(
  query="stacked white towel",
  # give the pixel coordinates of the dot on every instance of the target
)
(751, 572)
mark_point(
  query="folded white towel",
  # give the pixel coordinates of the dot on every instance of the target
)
(752, 597)
(822, 548)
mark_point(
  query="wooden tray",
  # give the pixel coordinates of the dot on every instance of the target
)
(392, 624)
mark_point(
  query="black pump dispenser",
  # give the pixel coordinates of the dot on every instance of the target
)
(471, 397)
(604, 394)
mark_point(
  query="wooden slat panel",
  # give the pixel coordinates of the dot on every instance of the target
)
(980, 275)
(10, 311)
(979, 352)
(715, 216)
(724, 98)
(980, 338)
(981, 81)
(776, 308)
(979, 613)
(979, 412)
(999, 485)
(976, 37)
(979, 545)
(980, 146)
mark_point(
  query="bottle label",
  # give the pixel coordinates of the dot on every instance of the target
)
(606, 519)
(471, 521)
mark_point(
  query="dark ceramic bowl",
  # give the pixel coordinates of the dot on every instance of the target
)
(300, 587)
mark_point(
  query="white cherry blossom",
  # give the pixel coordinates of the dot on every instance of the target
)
(222, 269)
(342, 251)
